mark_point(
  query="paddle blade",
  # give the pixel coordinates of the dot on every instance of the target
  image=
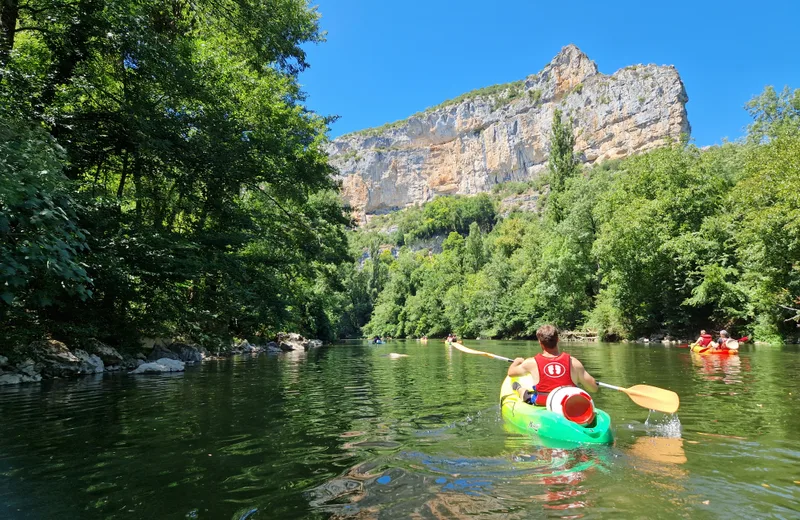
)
(654, 398)
(468, 350)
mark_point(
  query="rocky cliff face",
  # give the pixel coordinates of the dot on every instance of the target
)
(502, 133)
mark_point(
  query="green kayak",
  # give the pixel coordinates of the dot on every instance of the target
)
(547, 425)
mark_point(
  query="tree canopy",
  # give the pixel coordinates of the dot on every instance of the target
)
(185, 183)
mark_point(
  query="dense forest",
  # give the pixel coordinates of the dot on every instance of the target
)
(160, 174)
(668, 241)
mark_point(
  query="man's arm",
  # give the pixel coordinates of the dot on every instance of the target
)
(521, 367)
(583, 377)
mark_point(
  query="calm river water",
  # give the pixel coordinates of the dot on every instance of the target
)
(349, 432)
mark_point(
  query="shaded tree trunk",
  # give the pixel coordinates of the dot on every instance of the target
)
(9, 13)
(123, 176)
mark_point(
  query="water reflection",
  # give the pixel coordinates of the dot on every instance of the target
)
(414, 484)
(727, 369)
(664, 451)
(349, 432)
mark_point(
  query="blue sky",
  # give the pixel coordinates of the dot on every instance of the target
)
(384, 61)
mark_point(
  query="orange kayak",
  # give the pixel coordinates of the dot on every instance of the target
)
(714, 351)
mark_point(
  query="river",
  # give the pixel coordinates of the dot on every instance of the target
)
(350, 432)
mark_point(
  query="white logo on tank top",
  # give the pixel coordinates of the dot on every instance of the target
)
(554, 369)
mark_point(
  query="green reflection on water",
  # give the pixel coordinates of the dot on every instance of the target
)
(347, 431)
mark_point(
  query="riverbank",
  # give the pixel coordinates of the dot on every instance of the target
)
(51, 359)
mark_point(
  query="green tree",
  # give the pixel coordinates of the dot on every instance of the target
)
(766, 207)
(201, 176)
(40, 242)
(473, 249)
(773, 113)
(562, 163)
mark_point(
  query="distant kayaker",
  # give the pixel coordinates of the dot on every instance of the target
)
(550, 369)
(704, 340)
(724, 339)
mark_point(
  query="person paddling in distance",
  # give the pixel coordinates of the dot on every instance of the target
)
(550, 369)
(725, 342)
(704, 340)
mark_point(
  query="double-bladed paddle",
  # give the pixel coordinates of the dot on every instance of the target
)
(646, 396)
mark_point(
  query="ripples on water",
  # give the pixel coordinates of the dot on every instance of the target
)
(351, 432)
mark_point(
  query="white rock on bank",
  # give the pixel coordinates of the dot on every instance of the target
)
(14, 379)
(90, 363)
(10, 379)
(27, 368)
(159, 366)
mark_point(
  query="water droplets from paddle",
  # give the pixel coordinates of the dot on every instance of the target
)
(663, 425)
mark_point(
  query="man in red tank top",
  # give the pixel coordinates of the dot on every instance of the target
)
(550, 369)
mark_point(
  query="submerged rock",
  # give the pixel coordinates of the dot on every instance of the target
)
(159, 366)
(3, 361)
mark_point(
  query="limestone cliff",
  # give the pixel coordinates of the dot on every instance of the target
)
(502, 133)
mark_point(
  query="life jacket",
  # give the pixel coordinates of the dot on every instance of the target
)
(553, 372)
(706, 340)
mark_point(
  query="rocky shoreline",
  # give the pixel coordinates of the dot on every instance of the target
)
(51, 359)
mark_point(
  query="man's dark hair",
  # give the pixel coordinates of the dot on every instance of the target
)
(547, 336)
